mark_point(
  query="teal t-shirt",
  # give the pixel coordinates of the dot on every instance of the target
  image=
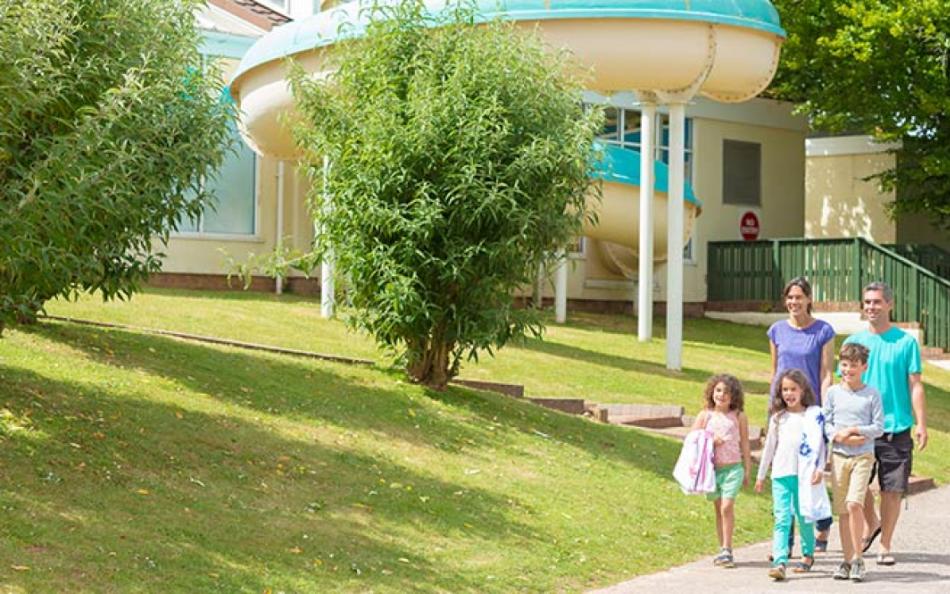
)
(893, 356)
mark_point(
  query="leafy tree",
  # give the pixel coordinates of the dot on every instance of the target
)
(459, 158)
(107, 123)
(879, 67)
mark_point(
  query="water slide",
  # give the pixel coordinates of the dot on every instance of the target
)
(658, 45)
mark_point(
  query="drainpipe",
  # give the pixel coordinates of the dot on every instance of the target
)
(279, 244)
(645, 277)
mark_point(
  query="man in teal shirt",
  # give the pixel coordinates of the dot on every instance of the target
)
(894, 368)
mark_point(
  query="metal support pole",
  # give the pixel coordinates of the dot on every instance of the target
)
(674, 239)
(560, 289)
(327, 294)
(279, 242)
(539, 287)
(645, 278)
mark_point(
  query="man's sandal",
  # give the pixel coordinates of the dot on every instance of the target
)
(869, 540)
(886, 559)
(805, 565)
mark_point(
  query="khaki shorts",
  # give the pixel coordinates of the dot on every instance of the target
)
(850, 476)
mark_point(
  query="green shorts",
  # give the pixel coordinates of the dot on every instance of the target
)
(728, 482)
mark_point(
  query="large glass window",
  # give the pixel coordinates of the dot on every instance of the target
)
(233, 208)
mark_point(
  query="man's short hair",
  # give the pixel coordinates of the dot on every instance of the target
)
(854, 352)
(882, 287)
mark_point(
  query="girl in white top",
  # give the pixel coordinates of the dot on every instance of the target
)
(791, 447)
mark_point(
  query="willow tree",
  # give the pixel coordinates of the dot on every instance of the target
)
(108, 122)
(459, 157)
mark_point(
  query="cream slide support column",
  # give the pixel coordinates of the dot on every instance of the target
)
(560, 288)
(645, 277)
(674, 233)
(279, 241)
(327, 299)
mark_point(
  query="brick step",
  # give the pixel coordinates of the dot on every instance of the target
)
(917, 484)
(933, 353)
(756, 439)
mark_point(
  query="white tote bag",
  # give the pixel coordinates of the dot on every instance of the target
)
(694, 470)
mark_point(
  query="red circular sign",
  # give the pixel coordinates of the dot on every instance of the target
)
(749, 226)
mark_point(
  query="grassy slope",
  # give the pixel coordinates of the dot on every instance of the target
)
(137, 463)
(210, 469)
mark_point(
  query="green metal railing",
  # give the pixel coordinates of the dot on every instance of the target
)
(928, 255)
(837, 270)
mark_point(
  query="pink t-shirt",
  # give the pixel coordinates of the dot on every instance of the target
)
(725, 427)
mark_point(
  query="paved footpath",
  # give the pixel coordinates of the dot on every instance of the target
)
(921, 547)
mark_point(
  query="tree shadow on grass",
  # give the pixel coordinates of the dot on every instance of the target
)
(236, 294)
(626, 446)
(311, 391)
(709, 331)
(322, 392)
(574, 353)
(117, 486)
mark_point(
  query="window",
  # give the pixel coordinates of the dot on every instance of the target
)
(281, 5)
(233, 210)
(628, 120)
(741, 172)
(578, 248)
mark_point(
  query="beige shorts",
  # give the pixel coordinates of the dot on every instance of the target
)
(850, 476)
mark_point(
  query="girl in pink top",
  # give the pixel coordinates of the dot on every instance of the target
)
(723, 416)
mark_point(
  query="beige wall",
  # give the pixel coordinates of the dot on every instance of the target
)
(841, 202)
(781, 213)
(201, 253)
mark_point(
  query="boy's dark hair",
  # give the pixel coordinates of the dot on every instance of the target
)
(733, 386)
(854, 352)
(797, 376)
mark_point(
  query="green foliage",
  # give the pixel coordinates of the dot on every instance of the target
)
(459, 159)
(878, 67)
(107, 123)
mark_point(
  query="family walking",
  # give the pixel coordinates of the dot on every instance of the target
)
(861, 426)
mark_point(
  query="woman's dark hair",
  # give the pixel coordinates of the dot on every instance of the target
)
(733, 386)
(797, 376)
(802, 283)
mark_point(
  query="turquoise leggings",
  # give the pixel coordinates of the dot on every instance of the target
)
(784, 503)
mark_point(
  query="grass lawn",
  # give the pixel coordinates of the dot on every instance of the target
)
(139, 463)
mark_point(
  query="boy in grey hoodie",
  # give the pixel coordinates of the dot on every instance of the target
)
(854, 417)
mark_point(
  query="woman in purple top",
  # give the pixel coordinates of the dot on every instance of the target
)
(806, 343)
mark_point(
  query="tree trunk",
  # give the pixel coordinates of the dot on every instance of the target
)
(429, 362)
